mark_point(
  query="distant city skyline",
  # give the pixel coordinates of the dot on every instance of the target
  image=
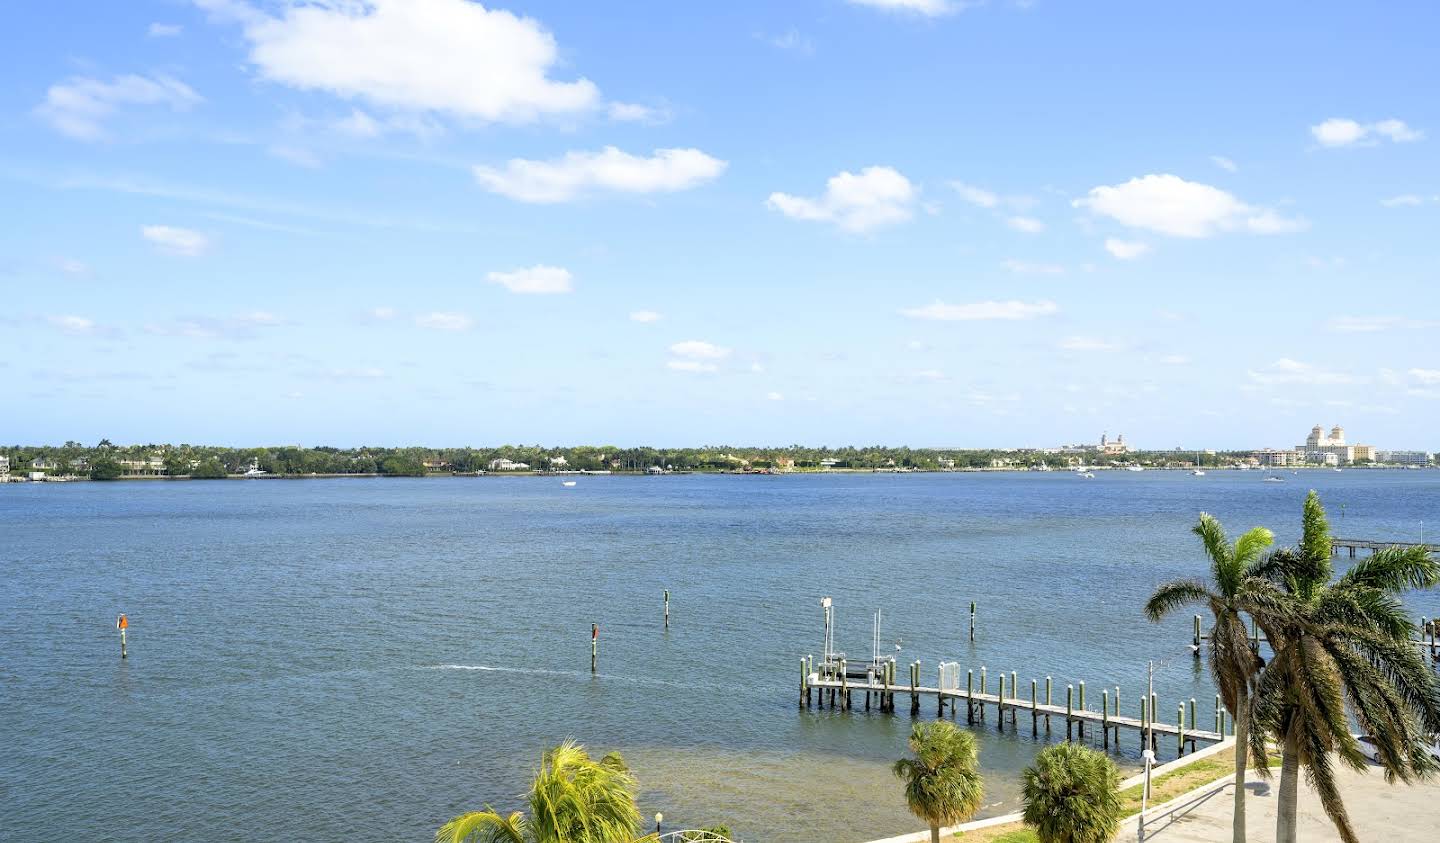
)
(941, 224)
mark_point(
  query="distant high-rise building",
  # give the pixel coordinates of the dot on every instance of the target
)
(1330, 449)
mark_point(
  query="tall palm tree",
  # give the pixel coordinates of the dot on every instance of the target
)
(1343, 649)
(942, 781)
(574, 799)
(1072, 795)
(1230, 593)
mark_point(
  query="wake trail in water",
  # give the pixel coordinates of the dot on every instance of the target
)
(576, 675)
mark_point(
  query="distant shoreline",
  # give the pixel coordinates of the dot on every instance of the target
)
(625, 473)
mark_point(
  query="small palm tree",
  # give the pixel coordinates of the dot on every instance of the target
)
(574, 799)
(1072, 795)
(942, 781)
(1343, 649)
(1230, 593)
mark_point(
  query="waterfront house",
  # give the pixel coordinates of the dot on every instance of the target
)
(503, 464)
(151, 466)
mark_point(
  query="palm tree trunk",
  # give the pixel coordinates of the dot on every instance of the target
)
(1242, 755)
(1289, 788)
(934, 832)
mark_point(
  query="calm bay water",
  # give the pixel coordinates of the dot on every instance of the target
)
(361, 659)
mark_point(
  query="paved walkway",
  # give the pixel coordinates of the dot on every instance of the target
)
(1378, 811)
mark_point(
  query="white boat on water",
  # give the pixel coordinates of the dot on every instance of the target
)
(1089, 474)
(1134, 468)
(567, 483)
(1273, 479)
(1199, 472)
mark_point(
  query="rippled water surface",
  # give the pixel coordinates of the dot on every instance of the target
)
(361, 659)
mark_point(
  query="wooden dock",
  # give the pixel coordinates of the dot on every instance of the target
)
(1356, 545)
(841, 685)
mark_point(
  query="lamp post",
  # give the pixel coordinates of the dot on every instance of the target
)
(659, 818)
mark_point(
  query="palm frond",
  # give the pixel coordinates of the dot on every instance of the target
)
(483, 827)
(1395, 569)
(1174, 594)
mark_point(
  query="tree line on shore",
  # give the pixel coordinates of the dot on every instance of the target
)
(106, 460)
(1342, 651)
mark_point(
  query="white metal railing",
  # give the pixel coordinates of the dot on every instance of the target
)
(692, 835)
(950, 676)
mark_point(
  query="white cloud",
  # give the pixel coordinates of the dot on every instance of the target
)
(74, 325)
(1126, 250)
(927, 8)
(358, 124)
(794, 41)
(1224, 163)
(1028, 268)
(1341, 131)
(645, 316)
(1006, 310)
(1404, 200)
(1288, 371)
(691, 366)
(1029, 225)
(536, 280)
(774, 396)
(1429, 377)
(176, 241)
(441, 321)
(581, 173)
(1175, 360)
(699, 350)
(452, 57)
(80, 106)
(978, 196)
(875, 197)
(164, 30)
(1170, 205)
(1090, 344)
(299, 156)
(630, 112)
(384, 314)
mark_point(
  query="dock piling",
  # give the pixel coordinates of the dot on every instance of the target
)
(970, 696)
(972, 620)
(667, 608)
(1069, 711)
(1196, 643)
(1000, 706)
(594, 645)
(1034, 711)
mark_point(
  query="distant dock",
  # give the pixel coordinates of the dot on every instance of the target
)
(1356, 545)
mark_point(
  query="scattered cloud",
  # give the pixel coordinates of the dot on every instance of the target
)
(691, 366)
(1090, 344)
(243, 326)
(534, 280)
(79, 107)
(297, 155)
(164, 30)
(1224, 163)
(774, 396)
(1028, 268)
(1171, 205)
(1005, 310)
(1126, 250)
(1429, 377)
(73, 325)
(925, 8)
(444, 321)
(699, 350)
(383, 314)
(361, 373)
(791, 41)
(358, 124)
(1341, 131)
(875, 197)
(1029, 225)
(71, 266)
(978, 196)
(451, 57)
(1174, 359)
(630, 112)
(1408, 200)
(183, 242)
(1288, 371)
(645, 316)
(580, 174)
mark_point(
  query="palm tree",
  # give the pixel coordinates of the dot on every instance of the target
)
(942, 781)
(574, 799)
(1233, 663)
(1343, 648)
(1072, 795)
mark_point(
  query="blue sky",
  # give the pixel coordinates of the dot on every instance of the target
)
(911, 222)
